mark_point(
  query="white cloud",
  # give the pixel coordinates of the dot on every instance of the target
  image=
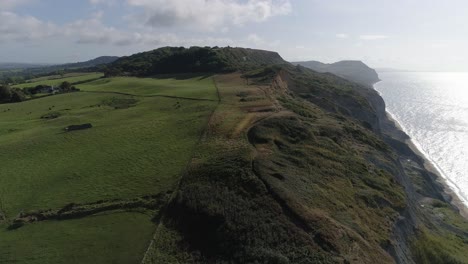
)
(254, 40)
(342, 35)
(92, 31)
(14, 27)
(10, 4)
(208, 15)
(103, 2)
(17, 28)
(373, 37)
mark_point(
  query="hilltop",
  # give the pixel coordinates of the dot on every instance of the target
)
(14, 65)
(355, 71)
(194, 59)
(87, 64)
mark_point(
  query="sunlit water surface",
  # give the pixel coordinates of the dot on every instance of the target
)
(432, 108)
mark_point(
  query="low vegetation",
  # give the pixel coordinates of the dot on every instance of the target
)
(431, 248)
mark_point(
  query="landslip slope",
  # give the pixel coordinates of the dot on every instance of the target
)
(298, 166)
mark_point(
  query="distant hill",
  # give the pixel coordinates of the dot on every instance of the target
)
(194, 59)
(14, 65)
(19, 71)
(391, 70)
(355, 71)
(73, 66)
(86, 64)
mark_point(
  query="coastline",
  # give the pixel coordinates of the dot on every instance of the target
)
(454, 200)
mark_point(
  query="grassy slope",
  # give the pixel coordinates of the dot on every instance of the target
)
(315, 186)
(116, 238)
(286, 203)
(192, 87)
(137, 146)
(56, 168)
(57, 80)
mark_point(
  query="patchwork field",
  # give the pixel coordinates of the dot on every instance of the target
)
(137, 147)
(57, 79)
(198, 87)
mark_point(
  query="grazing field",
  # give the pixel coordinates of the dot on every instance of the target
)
(116, 238)
(137, 146)
(57, 80)
(199, 87)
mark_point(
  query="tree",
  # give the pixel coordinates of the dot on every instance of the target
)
(17, 96)
(65, 86)
(5, 93)
(112, 72)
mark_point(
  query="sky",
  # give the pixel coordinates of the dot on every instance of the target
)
(425, 35)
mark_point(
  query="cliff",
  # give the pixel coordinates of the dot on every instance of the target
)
(355, 71)
(298, 166)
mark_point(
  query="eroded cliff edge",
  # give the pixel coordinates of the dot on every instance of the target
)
(297, 166)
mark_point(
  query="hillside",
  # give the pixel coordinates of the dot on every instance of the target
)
(217, 155)
(192, 60)
(13, 66)
(88, 64)
(355, 71)
(23, 72)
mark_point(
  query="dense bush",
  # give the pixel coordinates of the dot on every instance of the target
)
(11, 95)
(169, 60)
(5, 93)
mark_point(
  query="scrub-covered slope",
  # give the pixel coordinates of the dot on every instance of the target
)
(295, 167)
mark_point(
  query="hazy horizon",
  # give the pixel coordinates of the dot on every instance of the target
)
(408, 35)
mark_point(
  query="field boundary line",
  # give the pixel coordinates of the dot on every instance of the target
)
(155, 95)
(184, 171)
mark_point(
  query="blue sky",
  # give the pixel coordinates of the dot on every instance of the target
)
(406, 34)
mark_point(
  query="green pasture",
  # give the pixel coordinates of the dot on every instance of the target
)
(199, 87)
(115, 238)
(56, 80)
(137, 146)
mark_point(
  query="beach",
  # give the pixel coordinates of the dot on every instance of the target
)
(430, 109)
(429, 166)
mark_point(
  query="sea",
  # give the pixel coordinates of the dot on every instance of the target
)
(432, 108)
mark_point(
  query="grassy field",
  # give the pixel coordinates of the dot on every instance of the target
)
(137, 146)
(57, 80)
(192, 87)
(116, 238)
